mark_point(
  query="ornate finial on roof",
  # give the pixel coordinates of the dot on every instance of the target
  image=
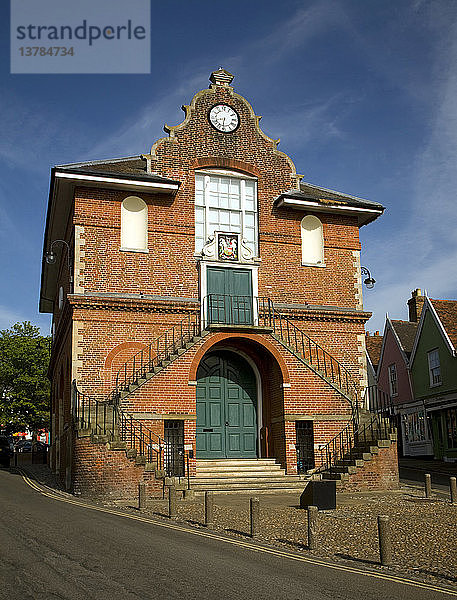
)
(221, 77)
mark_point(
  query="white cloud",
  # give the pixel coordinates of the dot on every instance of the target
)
(307, 23)
(31, 137)
(138, 133)
(422, 252)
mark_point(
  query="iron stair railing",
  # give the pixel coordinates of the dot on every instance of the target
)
(221, 309)
(316, 356)
(108, 419)
(344, 448)
(156, 354)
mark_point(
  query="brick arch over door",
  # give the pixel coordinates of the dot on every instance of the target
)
(221, 337)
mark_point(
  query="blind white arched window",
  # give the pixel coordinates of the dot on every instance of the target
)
(225, 202)
(312, 241)
(134, 224)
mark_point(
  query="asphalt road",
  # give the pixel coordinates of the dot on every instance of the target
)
(51, 548)
(415, 475)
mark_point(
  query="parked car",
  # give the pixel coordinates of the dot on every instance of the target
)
(26, 446)
(5, 451)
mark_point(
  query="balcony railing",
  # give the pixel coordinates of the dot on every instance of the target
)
(226, 309)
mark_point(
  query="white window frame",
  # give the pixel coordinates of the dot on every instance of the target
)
(393, 379)
(207, 174)
(434, 367)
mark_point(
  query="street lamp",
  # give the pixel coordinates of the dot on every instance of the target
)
(369, 281)
(51, 258)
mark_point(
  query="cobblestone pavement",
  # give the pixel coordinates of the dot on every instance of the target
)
(424, 531)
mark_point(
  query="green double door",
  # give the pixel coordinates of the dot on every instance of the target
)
(226, 407)
(229, 297)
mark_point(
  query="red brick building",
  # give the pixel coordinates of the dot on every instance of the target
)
(206, 302)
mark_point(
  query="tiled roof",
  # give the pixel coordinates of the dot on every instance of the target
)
(447, 312)
(406, 332)
(323, 195)
(133, 166)
(374, 344)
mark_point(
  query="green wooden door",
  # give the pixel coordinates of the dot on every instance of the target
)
(226, 407)
(229, 296)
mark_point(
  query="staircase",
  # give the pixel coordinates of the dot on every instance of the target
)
(261, 475)
(354, 447)
(316, 358)
(108, 422)
(357, 443)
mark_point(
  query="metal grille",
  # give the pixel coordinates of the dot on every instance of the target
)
(174, 448)
(304, 445)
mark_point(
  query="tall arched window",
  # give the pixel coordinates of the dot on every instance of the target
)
(134, 224)
(312, 241)
(225, 201)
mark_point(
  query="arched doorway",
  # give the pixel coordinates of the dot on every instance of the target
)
(226, 407)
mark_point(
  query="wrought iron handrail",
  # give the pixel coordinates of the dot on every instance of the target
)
(343, 446)
(156, 353)
(314, 354)
(229, 309)
(109, 419)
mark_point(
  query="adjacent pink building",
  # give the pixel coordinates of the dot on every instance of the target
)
(393, 377)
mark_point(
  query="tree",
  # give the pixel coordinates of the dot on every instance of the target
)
(24, 386)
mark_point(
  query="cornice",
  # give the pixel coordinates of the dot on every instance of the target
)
(147, 304)
(314, 313)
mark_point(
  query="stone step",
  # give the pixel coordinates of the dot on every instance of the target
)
(212, 482)
(358, 462)
(298, 484)
(351, 469)
(255, 490)
(240, 470)
(335, 476)
(236, 462)
(242, 475)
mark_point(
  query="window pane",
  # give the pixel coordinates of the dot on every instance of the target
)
(223, 200)
(249, 204)
(225, 217)
(234, 202)
(249, 220)
(235, 218)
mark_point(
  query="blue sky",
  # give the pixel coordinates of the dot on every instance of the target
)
(363, 95)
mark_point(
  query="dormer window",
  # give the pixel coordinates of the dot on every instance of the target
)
(312, 241)
(225, 201)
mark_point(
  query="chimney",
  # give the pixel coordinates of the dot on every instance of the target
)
(415, 305)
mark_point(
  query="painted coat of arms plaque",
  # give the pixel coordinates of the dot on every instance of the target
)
(227, 247)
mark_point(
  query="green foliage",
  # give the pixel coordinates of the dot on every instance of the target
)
(24, 386)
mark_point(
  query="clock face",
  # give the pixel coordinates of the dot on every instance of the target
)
(224, 118)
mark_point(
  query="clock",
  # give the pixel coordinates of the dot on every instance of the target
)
(224, 118)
